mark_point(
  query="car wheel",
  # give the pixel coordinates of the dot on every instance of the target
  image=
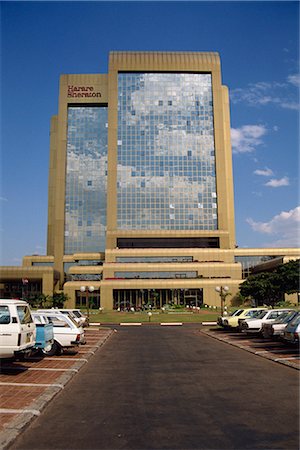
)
(54, 350)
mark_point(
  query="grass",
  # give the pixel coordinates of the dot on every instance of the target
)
(157, 316)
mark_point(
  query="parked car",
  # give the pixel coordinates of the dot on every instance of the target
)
(291, 334)
(67, 333)
(17, 328)
(77, 315)
(44, 332)
(221, 319)
(246, 313)
(255, 325)
(274, 330)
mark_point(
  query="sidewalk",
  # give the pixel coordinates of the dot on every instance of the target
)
(27, 386)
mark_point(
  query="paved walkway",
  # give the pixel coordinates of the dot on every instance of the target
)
(27, 386)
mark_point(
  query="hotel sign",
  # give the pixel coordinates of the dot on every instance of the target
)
(82, 92)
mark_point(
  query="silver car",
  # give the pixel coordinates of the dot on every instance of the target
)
(291, 333)
(276, 329)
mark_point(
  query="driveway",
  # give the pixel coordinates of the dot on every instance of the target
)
(173, 388)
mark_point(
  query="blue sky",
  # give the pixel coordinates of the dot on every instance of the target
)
(259, 47)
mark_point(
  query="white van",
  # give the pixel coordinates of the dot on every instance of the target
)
(17, 328)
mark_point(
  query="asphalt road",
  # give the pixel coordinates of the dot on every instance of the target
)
(155, 387)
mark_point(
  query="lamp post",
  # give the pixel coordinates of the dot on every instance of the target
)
(87, 289)
(222, 290)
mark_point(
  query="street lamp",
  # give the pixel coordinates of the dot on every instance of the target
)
(87, 289)
(222, 290)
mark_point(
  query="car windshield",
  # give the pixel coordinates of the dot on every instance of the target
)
(24, 314)
(286, 317)
(296, 320)
(73, 321)
(239, 312)
(235, 313)
(77, 314)
(261, 315)
(257, 313)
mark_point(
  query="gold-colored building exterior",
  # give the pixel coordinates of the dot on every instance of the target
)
(141, 200)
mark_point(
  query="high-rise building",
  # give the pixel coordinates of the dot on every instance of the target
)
(141, 187)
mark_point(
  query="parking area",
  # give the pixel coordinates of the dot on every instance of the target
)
(27, 386)
(275, 350)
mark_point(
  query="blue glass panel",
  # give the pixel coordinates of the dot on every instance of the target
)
(86, 180)
(166, 152)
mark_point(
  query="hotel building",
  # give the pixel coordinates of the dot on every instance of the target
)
(141, 200)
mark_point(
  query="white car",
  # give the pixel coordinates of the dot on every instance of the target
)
(275, 329)
(255, 325)
(221, 319)
(67, 333)
(77, 315)
(17, 328)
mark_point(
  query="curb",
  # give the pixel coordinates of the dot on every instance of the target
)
(13, 429)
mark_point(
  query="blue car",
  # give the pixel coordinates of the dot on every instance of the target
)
(44, 332)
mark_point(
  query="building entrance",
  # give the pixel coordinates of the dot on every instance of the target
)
(139, 299)
(94, 299)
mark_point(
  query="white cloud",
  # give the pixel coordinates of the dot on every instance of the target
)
(294, 79)
(264, 172)
(3, 199)
(285, 226)
(278, 182)
(263, 93)
(247, 137)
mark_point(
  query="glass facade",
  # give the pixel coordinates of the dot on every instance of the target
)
(155, 259)
(86, 179)
(166, 178)
(155, 275)
(248, 262)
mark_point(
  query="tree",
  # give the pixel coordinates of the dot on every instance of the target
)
(269, 287)
(289, 274)
(262, 288)
(58, 299)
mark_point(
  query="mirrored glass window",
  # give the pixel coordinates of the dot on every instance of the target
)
(86, 179)
(166, 155)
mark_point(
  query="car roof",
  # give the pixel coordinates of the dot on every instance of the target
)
(12, 301)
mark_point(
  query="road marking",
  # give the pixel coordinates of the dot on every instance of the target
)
(171, 323)
(46, 369)
(91, 346)
(134, 324)
(285, 359)
(89, 352)
(35, 412)
(209, 323)
(65, 359)
(3, 383)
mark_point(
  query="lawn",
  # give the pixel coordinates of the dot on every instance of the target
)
(156, 317)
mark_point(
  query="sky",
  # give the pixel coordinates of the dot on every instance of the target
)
(258, 43)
